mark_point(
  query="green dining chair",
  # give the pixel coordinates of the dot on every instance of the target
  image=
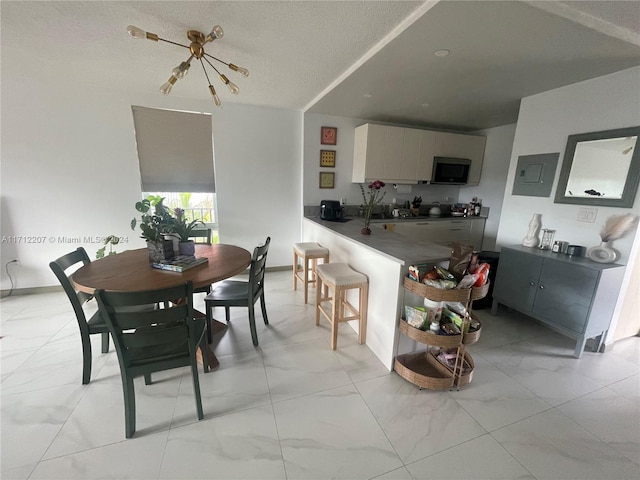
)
(95, 325)
(150, 339)
(235, 293)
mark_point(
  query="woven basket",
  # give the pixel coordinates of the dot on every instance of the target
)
(429, 338)
(474, 336)
(418, 369)
(450, 295)
(459, 380)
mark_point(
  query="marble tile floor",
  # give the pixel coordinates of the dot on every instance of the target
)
(293, 409)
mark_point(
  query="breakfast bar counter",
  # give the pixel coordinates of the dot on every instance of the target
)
(385, 257)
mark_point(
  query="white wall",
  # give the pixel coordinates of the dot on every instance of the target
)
(69, 170)
(544, 123)
(344, 188)
(497, 156)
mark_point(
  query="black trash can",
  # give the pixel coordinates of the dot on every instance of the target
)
(492, 259)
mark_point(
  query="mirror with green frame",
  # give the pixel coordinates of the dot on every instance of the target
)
(600, 169)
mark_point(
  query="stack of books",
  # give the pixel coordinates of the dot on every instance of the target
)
(179, 263)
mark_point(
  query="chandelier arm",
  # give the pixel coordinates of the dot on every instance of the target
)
(212, 65)
(173, 43)
(216, 59)
(205, 71)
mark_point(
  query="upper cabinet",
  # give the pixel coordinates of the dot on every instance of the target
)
(405, 155)
(460, 145)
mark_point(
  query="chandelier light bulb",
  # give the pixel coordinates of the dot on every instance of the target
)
(136, 32)
(214, 96)
(233, 88)
(216, 32)
(165, 89)
(241, 70)
(181, 70)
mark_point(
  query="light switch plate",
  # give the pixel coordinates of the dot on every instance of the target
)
(587, 214)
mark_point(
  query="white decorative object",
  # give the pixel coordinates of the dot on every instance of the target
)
(615, 227)
(532, 240)
(603, 253)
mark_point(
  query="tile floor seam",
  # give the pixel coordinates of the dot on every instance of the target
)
(512, 456)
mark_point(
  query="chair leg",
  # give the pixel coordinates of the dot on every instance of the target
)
(335, 315)
(263, 306)
(306, 279)
(129, 406)
(204, 351)
(105, 342)
(252, 325)
(196, 387)
(86, 358)
(147, 379)
(295, 270)
(227, 313)
(319, 290)
(209, 314)
(364, 302)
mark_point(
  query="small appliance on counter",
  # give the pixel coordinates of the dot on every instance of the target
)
(331, 210)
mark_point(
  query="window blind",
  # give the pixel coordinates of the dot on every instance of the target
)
(175, 150)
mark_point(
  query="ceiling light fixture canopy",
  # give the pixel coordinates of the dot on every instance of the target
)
(196, 49)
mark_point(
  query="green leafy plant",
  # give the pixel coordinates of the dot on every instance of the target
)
(110, 241)
(156, 220)
(181, 227)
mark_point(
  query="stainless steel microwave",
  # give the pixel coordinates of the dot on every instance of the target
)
(450, 171)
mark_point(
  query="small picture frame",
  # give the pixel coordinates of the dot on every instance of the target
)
(328, 158)
(328, 135)
(327, 180)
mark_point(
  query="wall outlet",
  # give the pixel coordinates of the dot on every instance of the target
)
(587, 214)
(343, 201)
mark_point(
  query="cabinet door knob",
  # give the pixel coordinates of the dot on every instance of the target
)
(533, 284)
(541, 287)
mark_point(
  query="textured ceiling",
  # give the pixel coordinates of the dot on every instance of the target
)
(324, 56)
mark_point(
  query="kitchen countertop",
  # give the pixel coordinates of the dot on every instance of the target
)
(388, 243)
(419, 218)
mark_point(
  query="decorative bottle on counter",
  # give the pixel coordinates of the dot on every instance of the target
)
(478, 207)
(532, 240)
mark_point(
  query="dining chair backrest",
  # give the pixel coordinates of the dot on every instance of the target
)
(59, 267)
(202, 236)
(95, 324)
(143, 333)
(150, 339)
(258, 268)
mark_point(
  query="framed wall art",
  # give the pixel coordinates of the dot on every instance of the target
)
(327, 179)
(328, 135)
(328, 158)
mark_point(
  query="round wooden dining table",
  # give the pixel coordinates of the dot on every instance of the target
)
(130, 271)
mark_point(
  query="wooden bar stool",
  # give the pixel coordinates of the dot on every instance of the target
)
(309, 253)
(340, 278)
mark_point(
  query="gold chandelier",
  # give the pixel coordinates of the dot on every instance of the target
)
(198, 41)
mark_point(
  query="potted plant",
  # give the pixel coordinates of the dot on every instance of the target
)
(375, 197)
(182, 229)
(155, 223)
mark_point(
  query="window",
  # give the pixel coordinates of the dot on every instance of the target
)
(175, 154)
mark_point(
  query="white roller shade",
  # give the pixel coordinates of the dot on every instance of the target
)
(174, 150)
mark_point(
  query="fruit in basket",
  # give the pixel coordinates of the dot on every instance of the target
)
(432, 275)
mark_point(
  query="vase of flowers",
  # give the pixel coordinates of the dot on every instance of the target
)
(371, 199)
(182, 229)
(614, 228)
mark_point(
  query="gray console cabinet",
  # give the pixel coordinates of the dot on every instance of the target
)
(574, 296)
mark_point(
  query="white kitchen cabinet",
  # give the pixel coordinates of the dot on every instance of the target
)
(459, 145)
(405, 155)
